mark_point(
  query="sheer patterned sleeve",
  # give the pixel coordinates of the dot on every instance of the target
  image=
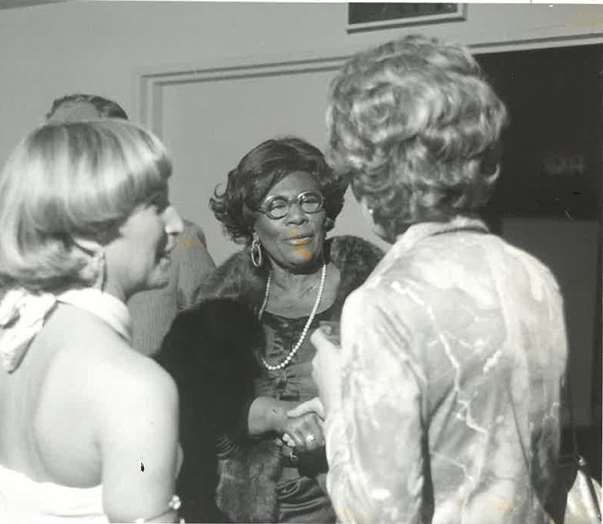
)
(374, 436)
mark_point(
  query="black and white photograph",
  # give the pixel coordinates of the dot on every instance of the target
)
(300, 262)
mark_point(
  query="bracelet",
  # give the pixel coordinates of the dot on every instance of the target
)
(173, 505)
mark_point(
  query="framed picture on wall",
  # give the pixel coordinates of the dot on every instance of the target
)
(374, 15)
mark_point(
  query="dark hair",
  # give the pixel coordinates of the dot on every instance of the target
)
(263, 167)
(417, 126)
(106, 108)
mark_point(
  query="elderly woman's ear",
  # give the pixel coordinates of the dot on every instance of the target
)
(328, 224)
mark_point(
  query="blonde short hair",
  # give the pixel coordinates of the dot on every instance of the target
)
(416, 125)
(78, 179)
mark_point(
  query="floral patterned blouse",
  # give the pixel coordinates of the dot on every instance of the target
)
(453, 356)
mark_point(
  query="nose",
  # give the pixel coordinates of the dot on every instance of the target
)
(173, 222)
(296, 214)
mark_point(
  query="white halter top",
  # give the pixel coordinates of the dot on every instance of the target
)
(24, 501)
(23, 314)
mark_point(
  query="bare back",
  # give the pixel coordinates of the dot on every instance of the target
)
(80, 411)
(46, 405)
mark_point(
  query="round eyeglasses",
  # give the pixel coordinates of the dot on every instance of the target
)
(276, 207)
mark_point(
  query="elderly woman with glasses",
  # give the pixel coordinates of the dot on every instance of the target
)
(242, 358)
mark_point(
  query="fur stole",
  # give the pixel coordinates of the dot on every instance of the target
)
(239, 280)
(246, 490)
(209, 351)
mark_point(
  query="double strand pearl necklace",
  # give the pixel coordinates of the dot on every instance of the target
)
(304, 333)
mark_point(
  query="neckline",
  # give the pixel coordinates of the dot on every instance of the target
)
(284, 363)
(23, 315)
(104, 306)
(299, 319)
(420, 231)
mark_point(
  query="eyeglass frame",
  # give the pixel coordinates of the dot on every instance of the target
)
(262, 209)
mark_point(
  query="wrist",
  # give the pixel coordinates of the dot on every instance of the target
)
(277, 418)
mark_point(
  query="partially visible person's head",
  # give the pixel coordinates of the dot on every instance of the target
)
(78, 107)
(417, 127)
(282, 191)
(69, 183)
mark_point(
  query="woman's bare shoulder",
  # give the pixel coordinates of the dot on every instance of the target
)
(105, 363)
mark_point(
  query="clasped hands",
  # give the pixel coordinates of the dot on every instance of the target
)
(304, 427)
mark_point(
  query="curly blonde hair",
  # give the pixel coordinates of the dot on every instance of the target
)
(416, 126)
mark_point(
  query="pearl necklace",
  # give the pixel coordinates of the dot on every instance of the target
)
(304, 333)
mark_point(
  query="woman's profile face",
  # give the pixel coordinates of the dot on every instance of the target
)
(140, 257)
(295, 240)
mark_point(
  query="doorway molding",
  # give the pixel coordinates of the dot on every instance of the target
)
(151, 83)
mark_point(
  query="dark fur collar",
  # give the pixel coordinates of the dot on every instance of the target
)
(239, 280)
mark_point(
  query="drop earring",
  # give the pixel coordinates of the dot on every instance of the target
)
(256, 252)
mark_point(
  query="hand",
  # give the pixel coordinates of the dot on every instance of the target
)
(326, 370)
(304, 433)
(314, 405)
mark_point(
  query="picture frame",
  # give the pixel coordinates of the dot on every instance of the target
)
(373, 16)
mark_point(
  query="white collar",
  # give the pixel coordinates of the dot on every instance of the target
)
(417, 232)
(23, 315)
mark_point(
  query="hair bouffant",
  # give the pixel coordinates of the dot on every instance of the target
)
(263, 167)
(417, 127)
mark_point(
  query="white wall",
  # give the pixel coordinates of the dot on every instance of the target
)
(105, 47)
(49, 50)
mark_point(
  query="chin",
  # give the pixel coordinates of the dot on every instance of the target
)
(302, 262)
